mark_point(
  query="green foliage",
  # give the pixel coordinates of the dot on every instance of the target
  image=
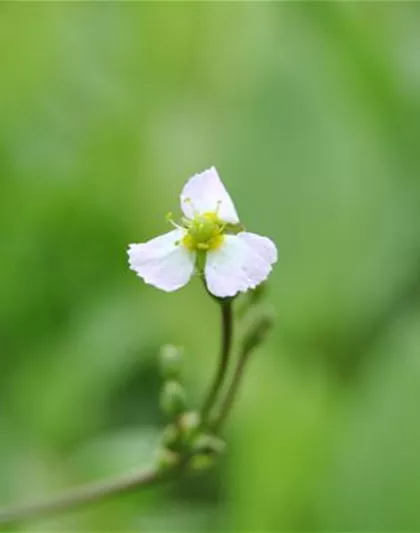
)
(311, 114)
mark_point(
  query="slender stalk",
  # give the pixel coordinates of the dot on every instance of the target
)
(230, 397)
(257, 328)
(227, 336)
(91, 493)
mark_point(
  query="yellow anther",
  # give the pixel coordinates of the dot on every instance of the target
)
(211, 215)
(188, 242)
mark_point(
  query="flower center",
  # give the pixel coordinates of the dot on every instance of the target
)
(204, 232)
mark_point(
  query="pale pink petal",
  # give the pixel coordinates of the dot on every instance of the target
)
(205, 193)
(163, 262)
(263, 245)
(243, 262)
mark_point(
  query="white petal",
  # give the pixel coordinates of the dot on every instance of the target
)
(243, 262)
(205, 193)
(265, 246)
(163, 262)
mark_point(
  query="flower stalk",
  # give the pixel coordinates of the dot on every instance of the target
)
(254, 336)
(226, 309)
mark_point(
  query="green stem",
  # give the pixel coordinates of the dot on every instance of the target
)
(255, 333)
(84, 495)
(232, 392)
(227, 336)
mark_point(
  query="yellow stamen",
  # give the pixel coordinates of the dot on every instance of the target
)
(204, 233)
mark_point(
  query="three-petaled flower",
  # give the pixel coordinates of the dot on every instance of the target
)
(210, 240)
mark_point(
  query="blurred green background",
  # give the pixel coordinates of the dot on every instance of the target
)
(311, 113)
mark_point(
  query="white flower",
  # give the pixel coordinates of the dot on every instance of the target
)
(210, 240)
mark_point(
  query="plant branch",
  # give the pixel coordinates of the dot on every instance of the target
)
(229, 400)
(91, 493)
(259, 323)
(102, 490)
(227, 336)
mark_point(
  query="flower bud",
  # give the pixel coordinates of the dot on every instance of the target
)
(208, 445)
(189, 424)
(171, 437)
(167, 459)
(205, 450)
(172, 399)
(170, 361)
(201, 462)
(258, 325)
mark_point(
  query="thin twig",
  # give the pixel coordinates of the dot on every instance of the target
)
(258, 327)
(227, 335)
(232, 391)
(91, 493)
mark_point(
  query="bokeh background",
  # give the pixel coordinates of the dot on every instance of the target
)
(311, 113)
